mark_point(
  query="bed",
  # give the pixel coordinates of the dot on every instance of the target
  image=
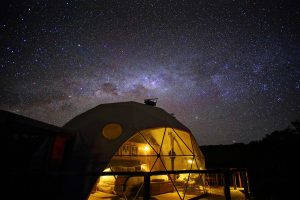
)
(129, 185)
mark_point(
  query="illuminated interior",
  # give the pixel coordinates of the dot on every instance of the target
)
(160, 149)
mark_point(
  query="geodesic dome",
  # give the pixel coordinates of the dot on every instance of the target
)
(130, 137)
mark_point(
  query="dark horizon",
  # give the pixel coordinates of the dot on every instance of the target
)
(228, 70)
(293, 127)
(269, 162)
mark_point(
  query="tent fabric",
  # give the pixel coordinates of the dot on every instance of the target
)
(135, 116)
(132, 116)
(92, 151)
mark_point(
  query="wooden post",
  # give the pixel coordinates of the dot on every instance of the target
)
(227, 185)
(234, 180)
(146, 187)
(240, 180)
(245, 184)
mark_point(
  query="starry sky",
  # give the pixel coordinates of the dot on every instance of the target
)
(228, 70)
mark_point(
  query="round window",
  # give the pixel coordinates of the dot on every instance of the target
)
(112, 131)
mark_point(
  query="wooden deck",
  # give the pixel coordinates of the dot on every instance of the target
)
(214, 193)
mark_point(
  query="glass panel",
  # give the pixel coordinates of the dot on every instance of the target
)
(185, 138)
(194, 165)
(147, 163)
(106, 184)
(137, 145)
(154, 137)
(134, 155)
(178, 162)
(198, 154)
(173, 145)
(162, 187)
(132, 163)
(129, 187)
(181, 183)
(160, 149)
(198, 163)
(158, 166)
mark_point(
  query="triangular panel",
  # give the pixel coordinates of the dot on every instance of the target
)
(137, 145)
(129, 187)
(158, 166)
(174, 145)
(185, 138)
(154, 137)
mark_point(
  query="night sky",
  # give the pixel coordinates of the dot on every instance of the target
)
(228, 70)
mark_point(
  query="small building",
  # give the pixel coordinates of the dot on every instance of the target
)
(127, 150)
(30, 153)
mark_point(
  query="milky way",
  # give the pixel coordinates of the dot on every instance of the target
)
(228, 70)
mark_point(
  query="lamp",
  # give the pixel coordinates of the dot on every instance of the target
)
(190, 161)
(146, 148)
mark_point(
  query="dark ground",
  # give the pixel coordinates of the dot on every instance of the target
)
(272, 163)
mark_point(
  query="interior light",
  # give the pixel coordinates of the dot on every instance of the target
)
(190, 161)
(146, 148)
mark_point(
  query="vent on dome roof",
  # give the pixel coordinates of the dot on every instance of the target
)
(151, 102)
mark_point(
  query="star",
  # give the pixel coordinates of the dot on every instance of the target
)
(229, 73)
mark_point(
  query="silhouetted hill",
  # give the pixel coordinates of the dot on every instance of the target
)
(272, 162)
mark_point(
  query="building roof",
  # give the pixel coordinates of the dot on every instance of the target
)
(131, 115)
(24, 125)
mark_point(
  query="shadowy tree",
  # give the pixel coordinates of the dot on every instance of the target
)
(272, 162)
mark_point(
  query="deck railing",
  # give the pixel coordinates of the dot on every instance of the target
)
(226, 178)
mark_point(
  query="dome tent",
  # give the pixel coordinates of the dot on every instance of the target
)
(116, 135)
